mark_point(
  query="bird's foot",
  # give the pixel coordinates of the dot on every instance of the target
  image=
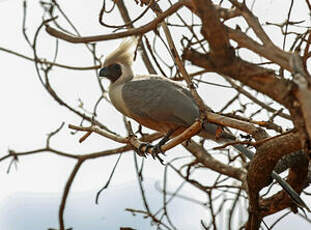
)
(140, 151)
(156, 149)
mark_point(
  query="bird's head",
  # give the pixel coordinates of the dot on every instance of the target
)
(118, 65)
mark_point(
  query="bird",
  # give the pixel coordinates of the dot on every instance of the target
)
(162, 104)
(153, 101)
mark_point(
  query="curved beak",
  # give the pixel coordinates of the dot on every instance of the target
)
(104, 72)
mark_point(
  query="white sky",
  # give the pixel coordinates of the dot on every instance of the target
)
(29, 113)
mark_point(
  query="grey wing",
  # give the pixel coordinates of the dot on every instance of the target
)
(160, 100)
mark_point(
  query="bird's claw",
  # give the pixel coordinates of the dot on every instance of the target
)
(156, 150)
(144, 153)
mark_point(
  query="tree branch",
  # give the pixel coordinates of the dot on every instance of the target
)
(260, 168)
(258, 78)
(214, 32)
(131, 32)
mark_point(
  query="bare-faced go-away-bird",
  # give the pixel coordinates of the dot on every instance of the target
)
(162, 104)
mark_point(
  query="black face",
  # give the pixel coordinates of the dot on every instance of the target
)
(112, 72)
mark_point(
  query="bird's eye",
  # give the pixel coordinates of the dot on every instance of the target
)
(116, 67)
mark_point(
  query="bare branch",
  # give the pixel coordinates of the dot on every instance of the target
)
(131, 32)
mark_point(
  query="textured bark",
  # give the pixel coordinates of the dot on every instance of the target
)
(256, 77)
(214, 32)
(259, 173)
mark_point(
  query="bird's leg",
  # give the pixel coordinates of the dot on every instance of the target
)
(156, 149)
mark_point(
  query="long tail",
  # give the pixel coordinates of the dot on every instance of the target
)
(210, 132)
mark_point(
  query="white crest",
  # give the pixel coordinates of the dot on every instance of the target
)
(124, 54)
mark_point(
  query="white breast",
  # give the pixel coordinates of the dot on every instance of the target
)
(115, 94)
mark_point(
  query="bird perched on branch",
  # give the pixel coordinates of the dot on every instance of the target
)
(162, 104)
(153, 101)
